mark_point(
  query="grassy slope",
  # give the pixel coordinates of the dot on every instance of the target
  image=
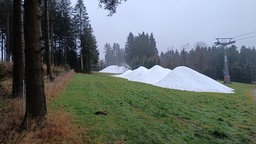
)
(140, 113)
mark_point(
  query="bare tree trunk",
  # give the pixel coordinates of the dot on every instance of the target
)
(51, 39)
(35, 96)
(2, 46)
(18, 51)
(7, 51)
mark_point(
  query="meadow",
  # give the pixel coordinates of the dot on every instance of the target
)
(115, 110)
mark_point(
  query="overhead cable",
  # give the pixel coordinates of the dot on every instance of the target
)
(241, 35)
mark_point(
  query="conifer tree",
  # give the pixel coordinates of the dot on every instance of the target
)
(89, 52)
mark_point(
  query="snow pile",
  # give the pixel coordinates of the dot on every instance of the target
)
(184, 78)
(136, 74)
(154, 75)
(115, 69)
(181, 78)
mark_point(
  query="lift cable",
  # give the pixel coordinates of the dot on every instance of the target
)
(242, 35)
(245, 38)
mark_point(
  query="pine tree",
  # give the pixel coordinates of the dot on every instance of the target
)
(80, 17)
(89, 50)
(81, 22)
(129, 48)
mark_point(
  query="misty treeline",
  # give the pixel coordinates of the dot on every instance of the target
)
(114, 55)
(141, 51)
(210, 61)
(70, 34)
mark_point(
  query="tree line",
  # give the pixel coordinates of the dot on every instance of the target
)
(114, 55)
(139, 50)
(210, 61)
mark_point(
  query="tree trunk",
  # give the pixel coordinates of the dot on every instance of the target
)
(35, 96)
(18, 51)
(7, 51)
(2, 47)
(47, 40)
(51, 39)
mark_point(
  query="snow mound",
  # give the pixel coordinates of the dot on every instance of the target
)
(136, 74)
(184, 78)
(115, 69)
(154, 75)
(123, 74)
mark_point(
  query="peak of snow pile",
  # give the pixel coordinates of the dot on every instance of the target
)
(114, 69)
(136, 74)
(184, 78)
(154, 75)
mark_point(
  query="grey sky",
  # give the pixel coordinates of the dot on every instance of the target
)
(174, 23)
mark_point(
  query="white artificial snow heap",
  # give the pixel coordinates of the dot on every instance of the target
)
(184, 78)
(136, 74)
(154, 75)
(115, 69)
(181, 78)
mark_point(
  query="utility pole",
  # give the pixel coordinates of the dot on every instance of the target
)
(223, 42)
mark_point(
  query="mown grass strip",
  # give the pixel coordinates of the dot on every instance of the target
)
(141, 113)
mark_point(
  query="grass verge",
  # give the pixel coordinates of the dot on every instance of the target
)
(59, 129)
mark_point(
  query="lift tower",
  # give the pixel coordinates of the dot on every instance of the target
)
(223, 42)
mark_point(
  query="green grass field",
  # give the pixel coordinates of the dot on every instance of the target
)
(141, 113)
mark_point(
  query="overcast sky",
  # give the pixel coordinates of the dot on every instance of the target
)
(175, 23)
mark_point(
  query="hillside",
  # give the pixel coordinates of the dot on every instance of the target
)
(115, 110)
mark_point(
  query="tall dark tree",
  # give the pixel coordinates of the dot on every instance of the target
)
(35, 96)
(81, 19)
(81, 22)
(89, 49)
(18, 51)
(129, 47)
